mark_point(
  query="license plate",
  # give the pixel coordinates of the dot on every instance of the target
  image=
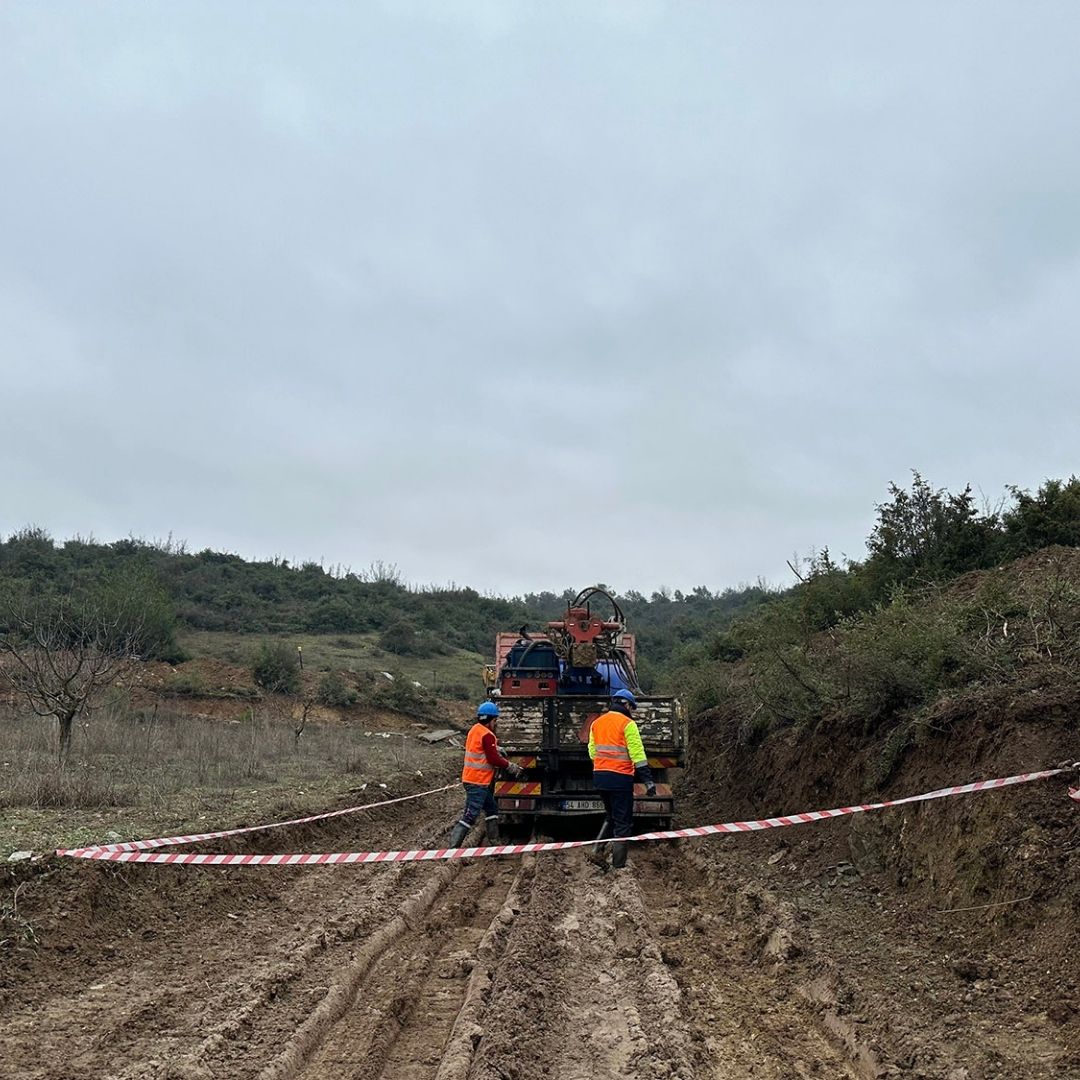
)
(581, 804)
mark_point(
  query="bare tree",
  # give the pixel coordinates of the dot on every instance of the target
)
(300, 722)
(59, 653)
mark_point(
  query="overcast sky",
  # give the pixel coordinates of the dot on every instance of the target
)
(532, 295)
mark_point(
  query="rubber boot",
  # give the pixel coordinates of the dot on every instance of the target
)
(618, 854)
(458, 834)
(598, 855)
(491, 831)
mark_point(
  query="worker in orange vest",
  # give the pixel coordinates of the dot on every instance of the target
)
(482, 760)
(618, 758)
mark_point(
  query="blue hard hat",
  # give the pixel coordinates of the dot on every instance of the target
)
(488, 708)
(625, 695)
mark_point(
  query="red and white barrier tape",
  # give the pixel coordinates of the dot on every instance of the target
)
(331, 858)
(174, 841)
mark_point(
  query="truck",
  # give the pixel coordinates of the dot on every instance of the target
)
(550, 685)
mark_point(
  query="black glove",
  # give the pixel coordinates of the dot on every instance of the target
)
(650, 789)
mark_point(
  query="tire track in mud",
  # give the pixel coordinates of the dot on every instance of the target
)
(581, 991)
(290, 1011)
(633, 975)
(405, 1000)
(744, 1019)
(495, 969)
(215, 994)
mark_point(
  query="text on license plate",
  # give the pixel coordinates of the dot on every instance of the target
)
(582, 804)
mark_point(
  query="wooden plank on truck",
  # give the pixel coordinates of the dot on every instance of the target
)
(658, 720)
(521, 723)
(573, 718)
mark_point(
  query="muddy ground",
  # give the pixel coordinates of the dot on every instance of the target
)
(747, 956)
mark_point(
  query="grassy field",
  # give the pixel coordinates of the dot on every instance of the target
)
(459, 671)
(142, 771)
(135, 773)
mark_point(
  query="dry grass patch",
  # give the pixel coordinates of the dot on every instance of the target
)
(157, 771)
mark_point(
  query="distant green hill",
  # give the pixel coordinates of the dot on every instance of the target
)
(923, 536)
(218, 596)
(456, 673)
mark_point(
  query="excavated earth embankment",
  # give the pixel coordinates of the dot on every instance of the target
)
(937, 939)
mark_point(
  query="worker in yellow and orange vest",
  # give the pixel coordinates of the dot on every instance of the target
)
(619, 759)
(482, 760)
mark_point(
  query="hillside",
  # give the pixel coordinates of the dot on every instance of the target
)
(455, 673)
(976, 679)
(893, 674)
(418, 629)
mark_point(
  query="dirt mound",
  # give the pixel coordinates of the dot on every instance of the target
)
(62, 915)
(982, 891)
(215, 678)
(214, 689)
(1030, 573)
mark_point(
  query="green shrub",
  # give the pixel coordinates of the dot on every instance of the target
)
(403, 696)
(891, 756)
(702, 689)
(458, 691)
(1051, 516)
(905, 654)
(724, 646)
(399, 638)
(277, 668)
(334, 691)
(334, 615)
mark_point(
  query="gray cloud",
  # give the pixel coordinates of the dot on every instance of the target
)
(530, 295)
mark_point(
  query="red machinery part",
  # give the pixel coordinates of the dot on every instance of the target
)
(544, 686)
(583, 627)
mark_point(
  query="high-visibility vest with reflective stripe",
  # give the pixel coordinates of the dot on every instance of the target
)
(609, 744)
(477, 768)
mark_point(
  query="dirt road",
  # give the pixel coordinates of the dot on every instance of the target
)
(704, 961)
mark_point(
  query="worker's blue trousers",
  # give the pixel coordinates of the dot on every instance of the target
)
(617, 791)
(478, 798)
